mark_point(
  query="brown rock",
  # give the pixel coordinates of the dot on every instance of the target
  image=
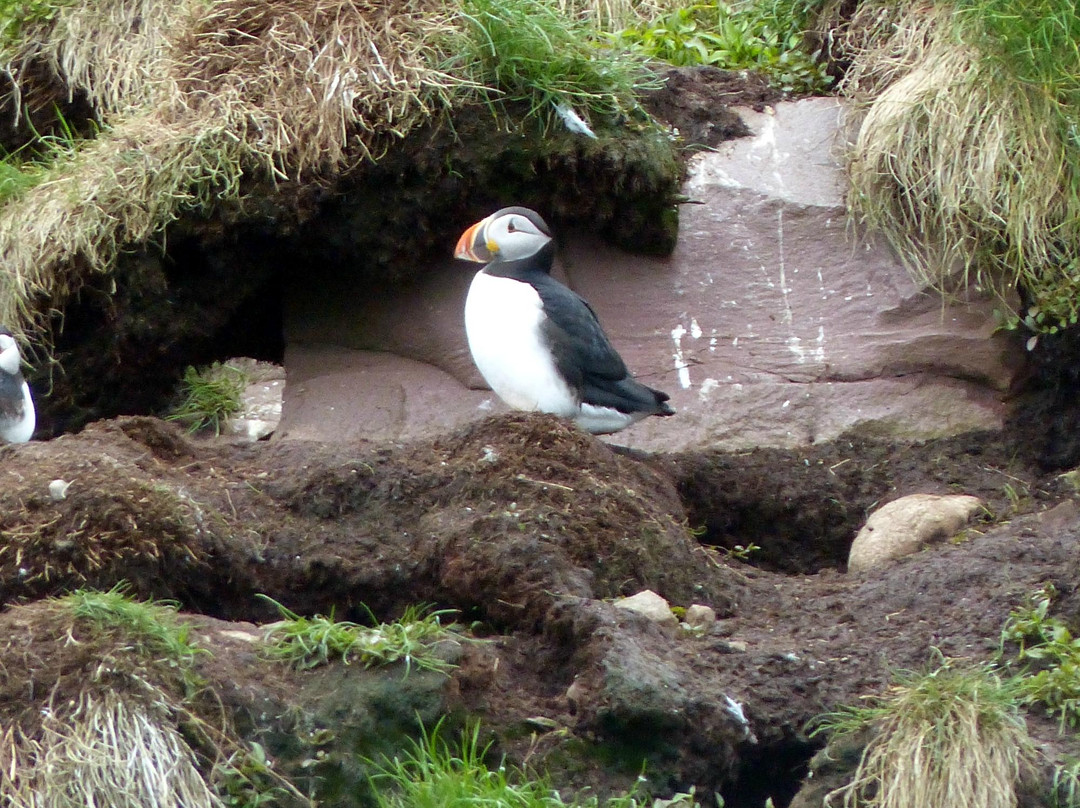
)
(770, 324)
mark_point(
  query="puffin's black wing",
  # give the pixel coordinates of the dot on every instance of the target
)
(585, 357)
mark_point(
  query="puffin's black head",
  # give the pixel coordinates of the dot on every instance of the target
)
(509, 234)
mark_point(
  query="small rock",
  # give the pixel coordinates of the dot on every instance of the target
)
(700, 617)
(542, 722)
(58, 490)
(903, 526)
(576, 694)
(260, 402)
(649, 604)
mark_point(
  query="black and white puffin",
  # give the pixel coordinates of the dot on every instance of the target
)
(538, 344)
(17, 415)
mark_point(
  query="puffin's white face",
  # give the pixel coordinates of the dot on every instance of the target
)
(508, 235)
(9, 354)
(513, 236)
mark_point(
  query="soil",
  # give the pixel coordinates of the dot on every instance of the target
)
(530, 528)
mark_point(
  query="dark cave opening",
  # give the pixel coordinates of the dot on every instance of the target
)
(122, 345)
(773, 771)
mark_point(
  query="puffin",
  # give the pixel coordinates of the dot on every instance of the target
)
(17, 415)
(538, 344)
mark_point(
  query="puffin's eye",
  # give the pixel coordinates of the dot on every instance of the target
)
(510, 227)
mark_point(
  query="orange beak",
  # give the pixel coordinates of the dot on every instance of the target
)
(469, 248)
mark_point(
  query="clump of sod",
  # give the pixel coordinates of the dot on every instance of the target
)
(952, 736)
(100, 704)
(967, 158)
(200, 102)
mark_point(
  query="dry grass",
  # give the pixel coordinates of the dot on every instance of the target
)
(105, 749)
(100, 705)
(951, 737)
(194, 100)
(612, 15)
(963, 166)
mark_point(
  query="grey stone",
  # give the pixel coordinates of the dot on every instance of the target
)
(700, 617)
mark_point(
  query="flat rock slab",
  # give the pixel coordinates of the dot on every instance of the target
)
(773, 323)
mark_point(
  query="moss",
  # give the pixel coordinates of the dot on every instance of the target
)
(386, 220)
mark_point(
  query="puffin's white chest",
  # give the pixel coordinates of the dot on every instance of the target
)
(502, 322)
(21, 430)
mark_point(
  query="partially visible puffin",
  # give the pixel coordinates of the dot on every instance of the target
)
(538, 344)
(17, 415)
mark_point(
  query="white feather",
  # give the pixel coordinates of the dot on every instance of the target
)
(574, 122)
(9, 355)
(605, 420)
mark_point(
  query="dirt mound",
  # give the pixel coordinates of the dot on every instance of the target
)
(500, 520)
(528, 526)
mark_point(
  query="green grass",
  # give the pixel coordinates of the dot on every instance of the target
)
(756, 36)
(209, 397)
(30, 165)
(433, 773)
(307, 642)
(527, 51)
(952, 736)
(149, 627)
(14, 14)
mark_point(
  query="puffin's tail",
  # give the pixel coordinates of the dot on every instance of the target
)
(628, 396)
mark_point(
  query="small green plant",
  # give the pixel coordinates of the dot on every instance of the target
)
(952, 736)
(733, 37)
(247, 780)
(307, 642)
(431, 773)
(210, 396)
(741, 552)
(1049, 657)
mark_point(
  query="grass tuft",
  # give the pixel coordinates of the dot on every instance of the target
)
(105, 749)
(149, 630)
(528, 52)
(967, 158)
(952, 736)
(210, 397)
(307, 642)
